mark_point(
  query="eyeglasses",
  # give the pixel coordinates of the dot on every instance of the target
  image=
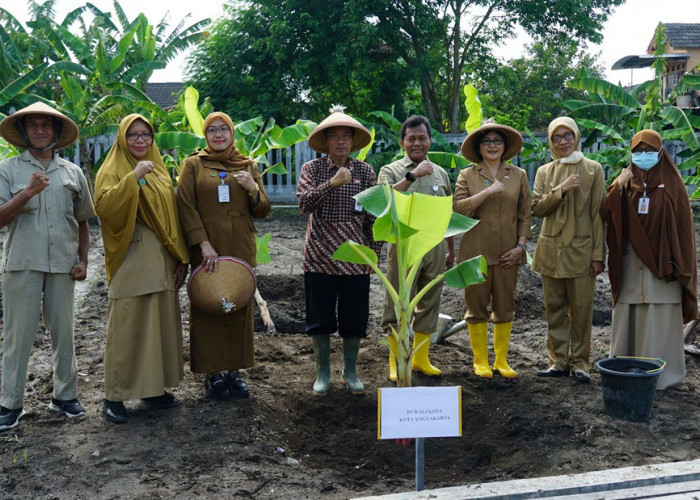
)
(556, 139)
(220, 130)
(135, 137)
(491, 142)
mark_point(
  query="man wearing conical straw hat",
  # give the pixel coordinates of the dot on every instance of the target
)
(415, 173)
(45, 202)
(325, 190)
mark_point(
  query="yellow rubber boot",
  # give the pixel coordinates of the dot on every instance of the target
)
(392, 360)
(479, 338)
(501, 339)
(421, 362)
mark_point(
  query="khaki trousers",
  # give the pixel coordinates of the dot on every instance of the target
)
(22, 305)
(425, 316)
(500, 284)
(568, 306)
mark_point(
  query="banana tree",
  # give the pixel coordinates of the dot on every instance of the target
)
(614, 114)
(414, 223)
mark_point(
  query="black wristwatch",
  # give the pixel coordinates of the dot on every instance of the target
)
(410, 177)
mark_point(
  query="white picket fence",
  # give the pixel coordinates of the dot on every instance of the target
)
(281, 188)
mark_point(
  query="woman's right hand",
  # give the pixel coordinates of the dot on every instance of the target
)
(496, 187)
(209, 257)
(142, 168)
(624, 177)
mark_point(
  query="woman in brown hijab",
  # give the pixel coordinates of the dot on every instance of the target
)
(653, 275)
(217, 224)
(146, 262)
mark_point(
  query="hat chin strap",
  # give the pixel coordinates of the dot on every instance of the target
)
(41, 150)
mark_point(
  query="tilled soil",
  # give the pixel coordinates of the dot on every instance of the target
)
(282, 442)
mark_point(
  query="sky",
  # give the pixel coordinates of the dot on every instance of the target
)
(627, 32)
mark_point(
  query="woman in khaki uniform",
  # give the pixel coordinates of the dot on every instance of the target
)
(569, 252)
(218, 194)
(146, 263)
(498, 195)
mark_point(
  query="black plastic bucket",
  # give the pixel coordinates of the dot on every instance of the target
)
(629, 384)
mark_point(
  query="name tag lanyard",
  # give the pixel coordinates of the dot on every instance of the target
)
(643, 206)
(224, 196)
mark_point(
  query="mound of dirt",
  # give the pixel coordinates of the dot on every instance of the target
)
(282, 442)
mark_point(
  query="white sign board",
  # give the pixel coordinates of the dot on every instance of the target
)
(419, 412)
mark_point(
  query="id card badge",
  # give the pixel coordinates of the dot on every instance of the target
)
(643, 207)
(358, 206)
(223, 189)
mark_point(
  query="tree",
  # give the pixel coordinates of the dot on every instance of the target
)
(295, 58)
(528, 91)
(470, 28)
(612, 114)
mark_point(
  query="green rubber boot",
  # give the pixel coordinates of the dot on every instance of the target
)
(351, 346)
(322, 353)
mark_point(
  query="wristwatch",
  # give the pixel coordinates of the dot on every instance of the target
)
(521, 245)
(410, 177)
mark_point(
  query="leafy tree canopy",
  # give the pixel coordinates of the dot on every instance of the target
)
(293, 58)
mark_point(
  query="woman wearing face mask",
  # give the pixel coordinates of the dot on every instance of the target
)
(653, 275)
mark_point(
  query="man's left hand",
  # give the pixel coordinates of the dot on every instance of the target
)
(180, 274)
(597, 267)
(79, 271)
(449, 260)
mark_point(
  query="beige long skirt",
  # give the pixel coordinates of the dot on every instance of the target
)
(143, 355)
(651, 331)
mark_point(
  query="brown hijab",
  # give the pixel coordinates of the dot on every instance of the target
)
(664, 238)
(230, 157)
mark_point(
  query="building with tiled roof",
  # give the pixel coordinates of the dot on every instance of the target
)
(164, 95)
(683, 44)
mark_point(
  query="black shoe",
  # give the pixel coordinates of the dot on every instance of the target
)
(10, 418)
(552, 372)
(581, 376)
(71, 408)
(115, 412)
(236, 385)
(217, 387)
(164, 401)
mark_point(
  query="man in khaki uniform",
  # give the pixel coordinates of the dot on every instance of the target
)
(569, 252)
(46, 204)
(415, 173)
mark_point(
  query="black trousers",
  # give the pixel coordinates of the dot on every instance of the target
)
(351, 295)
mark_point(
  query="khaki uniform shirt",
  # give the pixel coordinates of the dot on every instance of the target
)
(504, 217)
(44, 236)
(572, 231)
(437, 183)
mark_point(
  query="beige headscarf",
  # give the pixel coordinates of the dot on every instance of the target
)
(154, 206)
(563, 218)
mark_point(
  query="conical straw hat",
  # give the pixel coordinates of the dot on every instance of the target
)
(223, 292)
(470, 146)
(338, 118)
(11, 133)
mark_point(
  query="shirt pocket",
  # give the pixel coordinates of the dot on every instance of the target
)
(68, 197)
(32, 205)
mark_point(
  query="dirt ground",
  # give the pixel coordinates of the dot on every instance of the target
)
(283, 442)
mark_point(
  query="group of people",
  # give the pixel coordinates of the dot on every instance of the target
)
(152, 234)
(650, 237)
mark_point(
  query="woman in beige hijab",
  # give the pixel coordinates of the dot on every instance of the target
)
(569, 252)
(146, 262)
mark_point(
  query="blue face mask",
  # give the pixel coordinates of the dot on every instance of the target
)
(646, 160)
